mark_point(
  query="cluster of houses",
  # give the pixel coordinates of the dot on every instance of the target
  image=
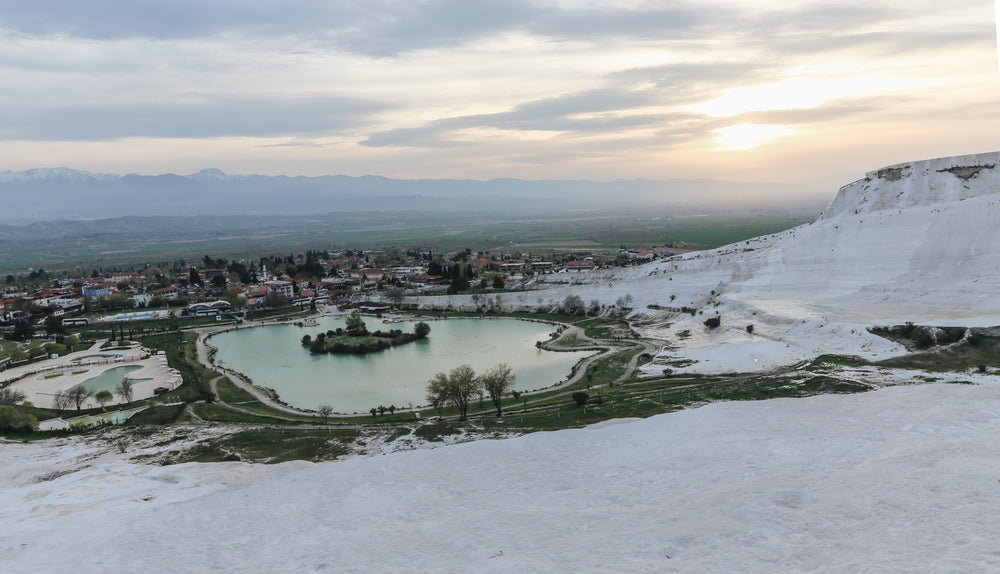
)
(204, 291)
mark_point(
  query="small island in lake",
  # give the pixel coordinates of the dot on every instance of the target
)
(357, 340)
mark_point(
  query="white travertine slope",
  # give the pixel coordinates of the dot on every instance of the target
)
(911, 242)
(903, 479)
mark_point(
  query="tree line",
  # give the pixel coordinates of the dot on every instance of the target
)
(461, 384)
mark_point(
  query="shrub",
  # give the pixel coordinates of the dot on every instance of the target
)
(713, 322)
(573, 305)
(750, 329)
(421, 330)
(925, 339)
(11, 419)
(581, 398)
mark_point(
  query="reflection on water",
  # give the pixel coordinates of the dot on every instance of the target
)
(273, 357)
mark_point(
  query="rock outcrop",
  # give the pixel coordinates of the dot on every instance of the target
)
(916, 183)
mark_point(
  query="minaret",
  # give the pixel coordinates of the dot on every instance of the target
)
(263, 272)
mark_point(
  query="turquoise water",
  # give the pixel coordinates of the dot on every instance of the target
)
(274, 357)
(108, 380)
(115, 417)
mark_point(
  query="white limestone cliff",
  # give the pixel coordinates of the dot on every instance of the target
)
(910, 242)
(919, 183)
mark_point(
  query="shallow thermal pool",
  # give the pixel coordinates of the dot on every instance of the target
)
(110, 379)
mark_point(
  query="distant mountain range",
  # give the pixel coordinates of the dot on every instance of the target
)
(64, 193)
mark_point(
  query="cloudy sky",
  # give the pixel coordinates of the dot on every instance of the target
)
(794, 91)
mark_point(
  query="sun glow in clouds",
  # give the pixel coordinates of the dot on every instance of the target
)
(789, 94)
(748, 136)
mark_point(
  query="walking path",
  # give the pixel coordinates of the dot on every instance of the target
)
(205, 353)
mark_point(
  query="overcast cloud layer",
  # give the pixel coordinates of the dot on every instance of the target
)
(481, 89)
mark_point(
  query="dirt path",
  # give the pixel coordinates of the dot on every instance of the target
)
(205, 351)
(189, 412)
(606, 348)
(214, 385)
(633, 363)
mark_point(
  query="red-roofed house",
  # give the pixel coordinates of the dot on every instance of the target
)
(578, 266)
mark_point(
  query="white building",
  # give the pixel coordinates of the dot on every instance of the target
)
(283, 287)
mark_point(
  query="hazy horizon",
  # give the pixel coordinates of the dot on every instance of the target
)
(552, 90)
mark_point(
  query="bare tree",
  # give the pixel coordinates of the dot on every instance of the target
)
(61, 401)
(573, 305)
(9, 396)
(498, 381)
(324, 411)
(595, 308)
(78, 395)
(124, 390)
(395, 296)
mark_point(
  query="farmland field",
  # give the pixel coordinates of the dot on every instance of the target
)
(127, 241)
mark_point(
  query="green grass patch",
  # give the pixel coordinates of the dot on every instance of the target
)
(397, 433)
(219, 413)
(271, 446)
(825, 384)
(158, 415)
(976, 352)
(230, 393)
(827, 362)
(436, 432)
(181, 352)
(601, 328)
(267, 411)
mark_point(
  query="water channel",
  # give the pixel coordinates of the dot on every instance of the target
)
(273, 357)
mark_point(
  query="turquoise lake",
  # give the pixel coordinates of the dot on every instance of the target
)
(273, 357)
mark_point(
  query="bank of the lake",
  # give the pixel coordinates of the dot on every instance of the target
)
(273, 357)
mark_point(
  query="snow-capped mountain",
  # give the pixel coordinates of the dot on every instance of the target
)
(215, 175)
(58, 174)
